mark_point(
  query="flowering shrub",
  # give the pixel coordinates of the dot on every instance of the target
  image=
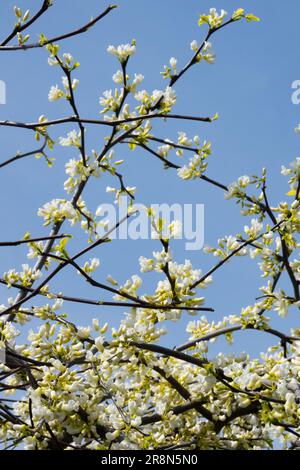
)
(102, 387)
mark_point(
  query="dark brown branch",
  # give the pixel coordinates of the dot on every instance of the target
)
(57, 226)
(72, 102)
(20, 156)
(169, 353)
(19, 29)
(194, 59)
(23, 298)
(117, 122)
(285, 250)
(103, 303)
(232, 329)
(173, 144)
(33, 240)
(177, 410)
(238, 413)
(231, 255)
(183, 392)
(76, 32)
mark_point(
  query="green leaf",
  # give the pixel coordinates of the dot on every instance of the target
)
(238, 14)
(251, 17)
(26, 236)
(203, 19)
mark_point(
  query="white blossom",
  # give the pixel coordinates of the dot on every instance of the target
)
(122, 52)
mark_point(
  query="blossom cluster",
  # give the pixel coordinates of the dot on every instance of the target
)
(113, 386)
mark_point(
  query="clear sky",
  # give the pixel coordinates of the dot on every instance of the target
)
(249, 86)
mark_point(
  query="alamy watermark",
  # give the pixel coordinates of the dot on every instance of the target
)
(2, 92)
(178, 221)
(296, 93)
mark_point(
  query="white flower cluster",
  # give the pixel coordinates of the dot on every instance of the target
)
(111, 100)
(58, 210)
(73, 139)
(206, 51)
(122, 52)
(78, 172)
(294, 172)
(91, 266)
(226, 246)
(56, 93)
(237, 188)
(119, 193)
(197, 164)
(213, 19)
(118, 78)
(166, 100)
(25, 277)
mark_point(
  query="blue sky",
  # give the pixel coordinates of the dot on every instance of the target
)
(249, 86)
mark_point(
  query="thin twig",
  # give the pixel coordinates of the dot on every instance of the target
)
(52, 40)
